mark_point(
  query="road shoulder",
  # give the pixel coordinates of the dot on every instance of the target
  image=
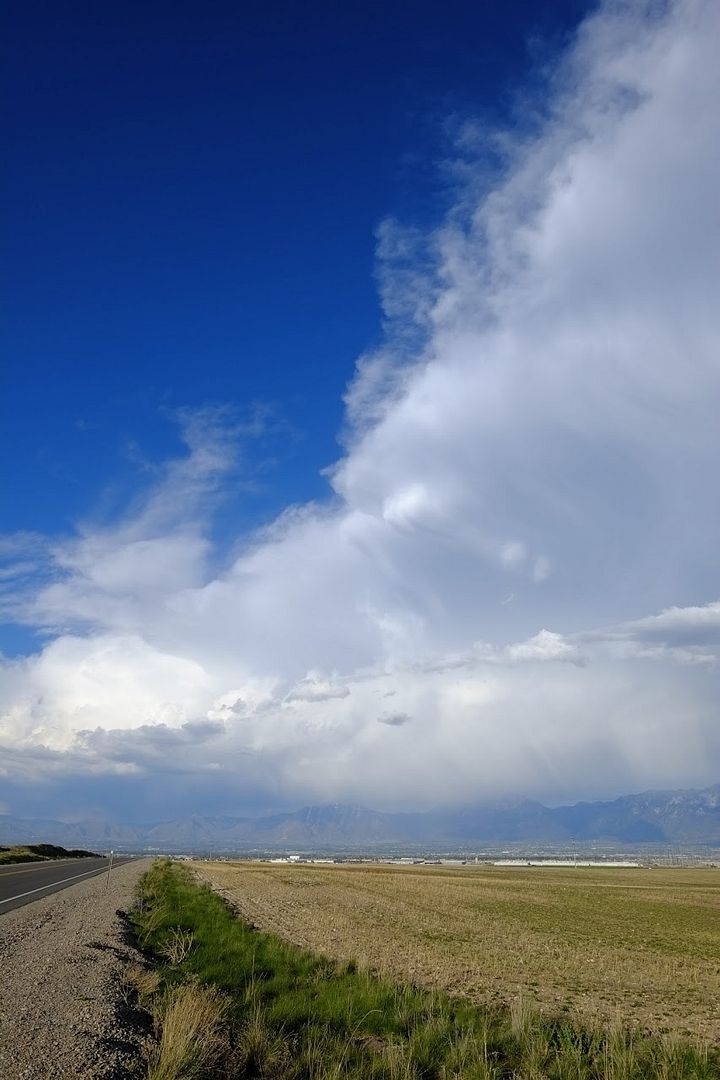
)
(62, 1013)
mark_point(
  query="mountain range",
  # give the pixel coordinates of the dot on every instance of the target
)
(653, 817)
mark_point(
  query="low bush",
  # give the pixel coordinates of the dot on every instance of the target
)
(40, 853)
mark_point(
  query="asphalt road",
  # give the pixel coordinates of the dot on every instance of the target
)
(21, 883)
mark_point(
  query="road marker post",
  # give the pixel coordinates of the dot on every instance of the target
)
(107, 883)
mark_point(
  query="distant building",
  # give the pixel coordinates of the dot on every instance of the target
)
(617, 863)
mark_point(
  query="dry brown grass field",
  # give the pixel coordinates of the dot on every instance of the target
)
(637, 946)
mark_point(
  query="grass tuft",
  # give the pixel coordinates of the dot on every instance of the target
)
(192, 1035)
(143, 982)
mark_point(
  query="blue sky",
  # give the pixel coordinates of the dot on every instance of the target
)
(358, 398)
(190, 208)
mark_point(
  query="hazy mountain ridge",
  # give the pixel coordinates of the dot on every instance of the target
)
(670, 817)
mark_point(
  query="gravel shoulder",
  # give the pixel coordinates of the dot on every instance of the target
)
(62, 1014)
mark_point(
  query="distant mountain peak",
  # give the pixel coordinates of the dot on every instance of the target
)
(668, 817)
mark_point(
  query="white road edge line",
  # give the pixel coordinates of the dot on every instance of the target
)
(13, 869)
(97, 870)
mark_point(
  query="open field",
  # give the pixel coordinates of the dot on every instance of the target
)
(228, 1000)
(639, 946)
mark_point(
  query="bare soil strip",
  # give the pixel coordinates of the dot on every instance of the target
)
(61, 964)
(636, 946)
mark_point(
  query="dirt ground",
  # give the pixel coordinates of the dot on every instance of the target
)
(640, 946)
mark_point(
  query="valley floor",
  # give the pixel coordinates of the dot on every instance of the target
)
(635, 946)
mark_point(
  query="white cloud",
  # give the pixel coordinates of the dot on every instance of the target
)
(109, 680)
(688, 635)
(315, 688)
(539, 425)
(696, 624)
(544, 646)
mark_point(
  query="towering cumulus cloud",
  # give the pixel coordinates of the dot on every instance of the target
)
(512, 586)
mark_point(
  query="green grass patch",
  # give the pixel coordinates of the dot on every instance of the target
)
(287, 1013)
